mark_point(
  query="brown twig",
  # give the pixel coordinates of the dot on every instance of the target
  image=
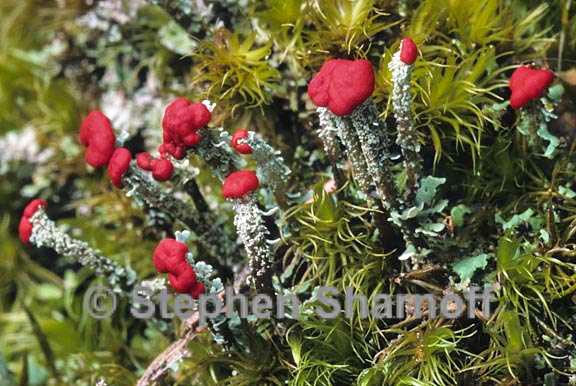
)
(172, 354)
(178, 350)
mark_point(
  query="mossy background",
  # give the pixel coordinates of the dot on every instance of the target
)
(512, 211)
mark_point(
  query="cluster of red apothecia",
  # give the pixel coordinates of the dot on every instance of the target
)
(170, 257)
(340, 85)
(181, 124)
(25, 226)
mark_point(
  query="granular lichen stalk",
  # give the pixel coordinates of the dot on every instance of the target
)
(407, 136)
(240, 187)
(271, 167)
(215, 151)
(252, 233)
(328, 133)
(353, 147)
(45, 233)
(376, 151)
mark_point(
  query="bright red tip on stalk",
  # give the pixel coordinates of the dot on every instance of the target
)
(239, 184)
(182, 119)
(25, 230)
(143, 160)
(408, 51)
(527, 84)
(197, 290)
(97, 135)
(170, 257)
(178, 152)
(25, 226)
(192, 139)
(118, 165)
(183, 116)
(342, 85)
(182, 277)
(242, 148)
(162, 169)
(33, 206)
(168, 254)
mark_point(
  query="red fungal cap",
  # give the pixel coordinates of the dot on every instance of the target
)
(170, 257)
(182, 119)
(167, 148)
(527, 84)
(408, 51)
(182, 278)
(25, 230)
(192, 139)
(239, 184)
(342, 85)
(97, 135)
(143, 161)
(168, 254)
(25, 226)
(118, 165)
(242, 148)
(197, 289)
(162, 169)
(33, 206)
(183, 116)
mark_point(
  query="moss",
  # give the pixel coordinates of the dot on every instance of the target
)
(492, 201)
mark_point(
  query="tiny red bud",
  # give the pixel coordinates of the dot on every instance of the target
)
(242, 148)
(25, 226)
(143, 161)
(118, 165)
(162, 169)
(408, 51)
